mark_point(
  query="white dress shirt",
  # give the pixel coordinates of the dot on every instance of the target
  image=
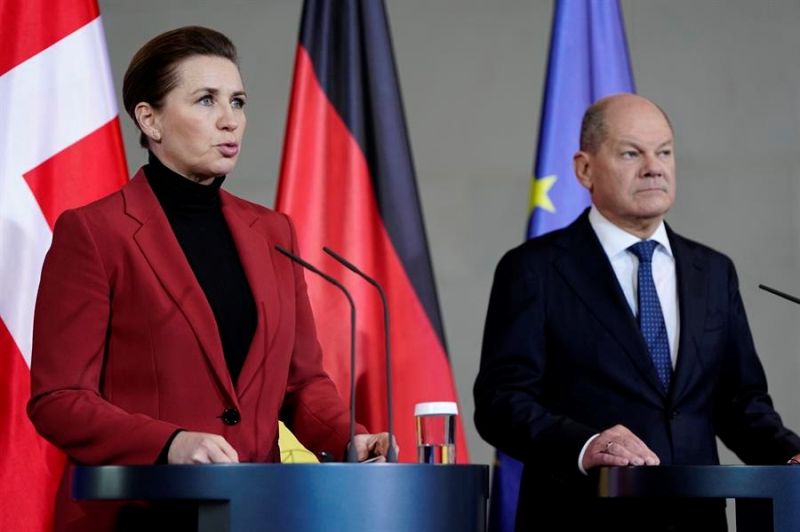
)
(615, 242)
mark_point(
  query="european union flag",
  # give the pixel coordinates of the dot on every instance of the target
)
(588, 60)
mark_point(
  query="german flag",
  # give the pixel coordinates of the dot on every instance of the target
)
(347, 180)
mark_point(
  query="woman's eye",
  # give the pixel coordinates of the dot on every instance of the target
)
(206, 100)
(238, 103)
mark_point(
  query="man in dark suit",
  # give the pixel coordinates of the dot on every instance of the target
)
(617, 342)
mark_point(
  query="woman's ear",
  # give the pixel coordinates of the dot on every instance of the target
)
(147, 119)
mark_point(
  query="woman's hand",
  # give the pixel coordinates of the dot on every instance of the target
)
(373, 446)
(201, 448)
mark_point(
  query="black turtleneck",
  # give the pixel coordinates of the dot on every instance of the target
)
(195, 213)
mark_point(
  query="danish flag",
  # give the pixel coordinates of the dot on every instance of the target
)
(60, 147)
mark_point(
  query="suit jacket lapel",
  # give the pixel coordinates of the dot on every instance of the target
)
(161, 249)
(585, 266)
(692, 300)
(255, 253)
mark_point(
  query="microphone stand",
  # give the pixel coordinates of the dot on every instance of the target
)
(778, 293)
(352, 455)
(392, 453)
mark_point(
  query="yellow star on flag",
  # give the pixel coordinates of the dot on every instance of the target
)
(539, 193)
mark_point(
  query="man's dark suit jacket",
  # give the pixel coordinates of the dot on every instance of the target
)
(563, 359)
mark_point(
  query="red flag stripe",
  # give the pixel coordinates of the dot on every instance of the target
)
(45, 59)
(326, 187)
(76, 175)
(30, 26)
(31, 466)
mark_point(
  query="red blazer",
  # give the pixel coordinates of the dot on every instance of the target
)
(126, 348)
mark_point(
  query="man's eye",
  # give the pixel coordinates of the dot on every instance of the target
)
(630, 154)
(666, 153)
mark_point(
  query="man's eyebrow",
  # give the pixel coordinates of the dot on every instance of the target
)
(638, 145)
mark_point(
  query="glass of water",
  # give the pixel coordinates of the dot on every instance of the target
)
(436, 432)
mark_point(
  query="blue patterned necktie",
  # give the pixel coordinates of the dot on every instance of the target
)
(651, 320)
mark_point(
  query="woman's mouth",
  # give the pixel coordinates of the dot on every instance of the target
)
(228, 149)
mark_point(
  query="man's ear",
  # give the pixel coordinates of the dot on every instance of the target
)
(147, 118)
(582, 163)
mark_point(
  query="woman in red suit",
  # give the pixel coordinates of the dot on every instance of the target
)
(167, 328)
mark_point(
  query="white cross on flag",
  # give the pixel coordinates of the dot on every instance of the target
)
(60, 147)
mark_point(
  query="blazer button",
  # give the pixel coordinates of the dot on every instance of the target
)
(231, 416)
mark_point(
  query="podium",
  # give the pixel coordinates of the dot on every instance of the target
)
(304, 497)
(767, 497)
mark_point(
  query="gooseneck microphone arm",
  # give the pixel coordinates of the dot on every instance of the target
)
(392, 453)
(352, 455)
(778, 293)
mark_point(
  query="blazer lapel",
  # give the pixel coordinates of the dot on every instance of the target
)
(692, 288)
(585, 266)
(255, 253)
(158, 244)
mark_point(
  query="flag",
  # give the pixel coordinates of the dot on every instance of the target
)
(347, 180)
(60, 147)
(588, 60)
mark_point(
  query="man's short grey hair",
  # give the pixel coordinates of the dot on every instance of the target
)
(594, 128)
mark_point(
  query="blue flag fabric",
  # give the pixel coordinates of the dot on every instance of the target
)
(588, 60)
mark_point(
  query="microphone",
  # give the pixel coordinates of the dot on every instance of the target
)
(392, 454)
(352, 456)
(780, 294)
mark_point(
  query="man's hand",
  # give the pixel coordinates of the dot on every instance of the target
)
(373, 446)
(618, 446)
(201, 448)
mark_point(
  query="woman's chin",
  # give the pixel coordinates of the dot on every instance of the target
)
(225, 166)
(219, 169)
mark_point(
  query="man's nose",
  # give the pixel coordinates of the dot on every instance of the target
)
(653, 167)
